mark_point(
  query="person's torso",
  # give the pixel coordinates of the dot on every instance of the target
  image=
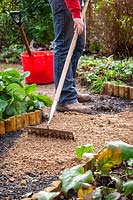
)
(58, 5)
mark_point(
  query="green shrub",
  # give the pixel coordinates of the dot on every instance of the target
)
(36, 21)
(96, 71)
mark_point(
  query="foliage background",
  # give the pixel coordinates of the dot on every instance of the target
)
(109, 27)
(36, 21)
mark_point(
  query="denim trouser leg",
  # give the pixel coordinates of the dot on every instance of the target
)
(80, 45)
(63, 28)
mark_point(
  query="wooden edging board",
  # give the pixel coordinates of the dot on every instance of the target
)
(17, 122)
(118, 90)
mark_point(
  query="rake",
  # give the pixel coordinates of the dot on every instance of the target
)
(54, 132)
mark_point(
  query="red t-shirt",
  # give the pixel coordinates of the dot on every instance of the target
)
(74, 7)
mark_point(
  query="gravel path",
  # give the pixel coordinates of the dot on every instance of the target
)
(30, 163)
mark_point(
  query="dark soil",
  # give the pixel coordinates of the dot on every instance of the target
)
(24, 186)
(13, 187)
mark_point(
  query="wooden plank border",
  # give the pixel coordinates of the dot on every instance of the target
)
(17, 122)
(118, 90)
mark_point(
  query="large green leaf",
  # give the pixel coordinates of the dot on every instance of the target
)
(40, 98)
(97, 194)
(42, 195)
(128, 187)
(15, 108)
(23, 106)
(2, 86)
(34, 104)
(3, 105)
(29, 89)
(107, 158)
(72, 178)
(11, 72)
(118, 182)
(11, 75)
(38, 104)
(45, 99)
(4, 96)
(113, 196)
(80, 150)
(126, 149)
(16, 91)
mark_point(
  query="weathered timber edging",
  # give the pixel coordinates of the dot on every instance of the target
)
(17, 122)
(118, 90)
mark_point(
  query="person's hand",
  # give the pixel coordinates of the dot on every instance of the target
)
(79, 25)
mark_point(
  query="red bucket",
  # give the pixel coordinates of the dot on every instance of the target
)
(40, 65)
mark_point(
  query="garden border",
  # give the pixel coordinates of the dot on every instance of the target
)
(18, 122)
(118, 90)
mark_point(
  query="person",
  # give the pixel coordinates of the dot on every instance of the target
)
(66, 18)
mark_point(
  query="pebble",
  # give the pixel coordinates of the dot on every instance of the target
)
(11, 179)
(23, 183)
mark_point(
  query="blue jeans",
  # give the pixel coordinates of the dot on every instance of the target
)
(63, 29)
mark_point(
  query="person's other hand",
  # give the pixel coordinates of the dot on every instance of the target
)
(79, 25)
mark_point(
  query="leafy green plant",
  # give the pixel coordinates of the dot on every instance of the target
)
(38, 26)
(72, 178)
(36, 21)
(113, 155)
(17, 98)
(96, 71)
(108, 181)
(12, 53)
(80, 150)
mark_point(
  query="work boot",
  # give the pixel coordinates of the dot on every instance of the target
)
(74, 107)
(83, 97)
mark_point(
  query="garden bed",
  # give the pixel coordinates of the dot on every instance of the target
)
(31, 163)
(105, 175)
